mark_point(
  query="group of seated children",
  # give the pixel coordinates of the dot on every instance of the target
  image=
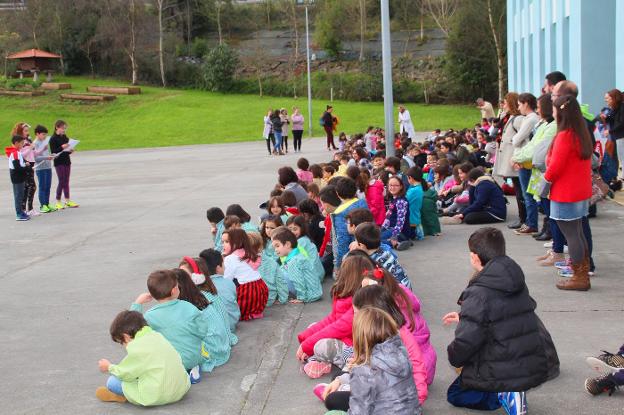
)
(374, 336)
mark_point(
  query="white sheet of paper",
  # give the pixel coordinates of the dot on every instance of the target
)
(72, 144)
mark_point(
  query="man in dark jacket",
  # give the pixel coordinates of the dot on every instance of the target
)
(500, 343)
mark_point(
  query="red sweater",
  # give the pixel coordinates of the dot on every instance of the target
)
(570, 176)
(327, 236)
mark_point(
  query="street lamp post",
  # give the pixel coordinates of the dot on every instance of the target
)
(309, 80)
(386, 56)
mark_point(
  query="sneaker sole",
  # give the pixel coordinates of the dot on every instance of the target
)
(600, 366)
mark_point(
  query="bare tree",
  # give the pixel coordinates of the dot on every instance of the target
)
(363, 18)
(495, 26)
(292, 14)
(163, 8)
(442, 12)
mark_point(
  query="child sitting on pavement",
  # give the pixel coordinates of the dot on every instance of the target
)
(152, 372)
(499, 338)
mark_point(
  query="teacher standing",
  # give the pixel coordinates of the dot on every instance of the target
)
(328, 125)
(297, 128)
(405, 123)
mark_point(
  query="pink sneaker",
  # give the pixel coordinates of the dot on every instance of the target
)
(319, 389)
(315, 369)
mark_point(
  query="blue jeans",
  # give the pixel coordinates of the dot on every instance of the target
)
(386, 235)
(113, 384)
(277, 146)
(531, 205)
(45, 183)
(466, 398)
(18, 195)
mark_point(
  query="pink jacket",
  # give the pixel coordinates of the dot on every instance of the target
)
(421, 334)
(375, 201)
(305, 176)
(337, 325)
(418, 365)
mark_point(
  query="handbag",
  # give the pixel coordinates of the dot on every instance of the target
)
(543, 188)
(599, 189)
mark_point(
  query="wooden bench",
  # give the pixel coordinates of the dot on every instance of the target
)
(52, 86)
(88, 97)
(10, 92)
(116, 90)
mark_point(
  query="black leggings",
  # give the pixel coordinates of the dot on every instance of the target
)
(297, 139)
(519, 198)
(270, 141)
(479, 218)
(29, 190)
(330, 137)
(338, 401)
(577, 243)
(285, 142)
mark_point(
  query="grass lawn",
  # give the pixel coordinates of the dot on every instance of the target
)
(169, 117)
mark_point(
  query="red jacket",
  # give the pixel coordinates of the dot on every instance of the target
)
(570, 176)
(327, 236)
(375, 201)
(337, 325)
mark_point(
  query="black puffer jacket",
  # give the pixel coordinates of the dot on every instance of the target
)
(498, 341)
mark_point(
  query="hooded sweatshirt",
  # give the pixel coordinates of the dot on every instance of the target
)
(17, 165)
(386, 385)
(499, 340)
(487, 196)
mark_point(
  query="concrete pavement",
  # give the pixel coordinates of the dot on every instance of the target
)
(65, 276)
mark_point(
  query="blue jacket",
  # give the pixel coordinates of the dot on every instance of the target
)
(308, 249)
(487, 196)
(226, 290)
(300, 270)
(271, 273)
(415, 198)
(218, 340)
(340, 234)
(182, 324)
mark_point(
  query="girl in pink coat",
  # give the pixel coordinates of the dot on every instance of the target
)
(375, 197)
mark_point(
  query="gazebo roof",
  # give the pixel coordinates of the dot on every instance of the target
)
(33, 53)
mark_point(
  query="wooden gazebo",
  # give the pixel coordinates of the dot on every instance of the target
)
(35, 61)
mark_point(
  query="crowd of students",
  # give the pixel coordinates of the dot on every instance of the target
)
(344, 220)
(29, 157)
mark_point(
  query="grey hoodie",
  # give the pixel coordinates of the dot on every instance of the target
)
(386, 385)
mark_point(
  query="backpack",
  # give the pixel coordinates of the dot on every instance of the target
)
(321, 122)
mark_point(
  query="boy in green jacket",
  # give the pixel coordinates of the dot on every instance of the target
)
(151, 374)
(180, 322)
(304, 284)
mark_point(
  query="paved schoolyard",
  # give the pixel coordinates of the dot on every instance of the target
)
(64, 277)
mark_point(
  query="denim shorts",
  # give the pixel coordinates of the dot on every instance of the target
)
(569, 210)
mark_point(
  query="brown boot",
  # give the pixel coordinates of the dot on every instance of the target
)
(579, 280)
(552, 259)
(105, 395)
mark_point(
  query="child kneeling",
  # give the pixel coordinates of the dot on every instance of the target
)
(500, 343)
(151, 374)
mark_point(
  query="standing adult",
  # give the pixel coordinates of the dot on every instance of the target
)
(285, 125)
(568, 170)
(487, 111)
(503, 166)
(552, 79)
(297, 128)
(527, 104)
(328, 125)
(615, 122)
(267, 132)
(405, 123)
(276, 123)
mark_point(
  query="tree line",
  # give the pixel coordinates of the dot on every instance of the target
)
(177, 42)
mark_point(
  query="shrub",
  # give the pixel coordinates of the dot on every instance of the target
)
(219, 67)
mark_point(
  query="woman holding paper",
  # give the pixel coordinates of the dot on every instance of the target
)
(60, 146)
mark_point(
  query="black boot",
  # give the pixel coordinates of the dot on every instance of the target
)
(545, 235)
(541, 232)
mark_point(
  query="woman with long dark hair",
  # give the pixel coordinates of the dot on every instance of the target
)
(615, 124)
(568, 170)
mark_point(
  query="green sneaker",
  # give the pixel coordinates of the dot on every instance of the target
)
(59, 206)
(70, 204)
(44, 209)
(51, 208)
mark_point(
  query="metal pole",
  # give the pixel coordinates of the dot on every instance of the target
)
(387, 77)
(309, 81)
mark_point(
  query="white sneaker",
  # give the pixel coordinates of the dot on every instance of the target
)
(33, 213)
(548, 244)
(565, 249)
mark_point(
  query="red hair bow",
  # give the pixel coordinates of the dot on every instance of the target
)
(378, 273)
